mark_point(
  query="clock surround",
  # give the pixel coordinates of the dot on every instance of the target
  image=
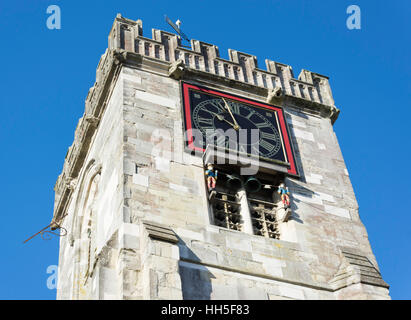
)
(209, 109)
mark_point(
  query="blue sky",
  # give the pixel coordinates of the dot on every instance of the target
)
(46, 74)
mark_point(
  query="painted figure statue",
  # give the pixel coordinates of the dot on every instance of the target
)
(211, 176)
(283, 191)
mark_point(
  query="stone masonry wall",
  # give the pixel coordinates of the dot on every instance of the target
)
(135, 203)
(88, 254)
(171, 192)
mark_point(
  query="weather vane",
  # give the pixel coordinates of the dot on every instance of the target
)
(176, 27)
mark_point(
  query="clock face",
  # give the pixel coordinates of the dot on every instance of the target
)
(212, 114)
(250, 127)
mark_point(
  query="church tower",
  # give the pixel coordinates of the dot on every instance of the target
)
(195, 177)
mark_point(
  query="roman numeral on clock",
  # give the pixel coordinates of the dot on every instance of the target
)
(268, 136)
(207, 121)
(266, 145)
(235, 108)
(262, 125)
(249, 115)
(217, 104)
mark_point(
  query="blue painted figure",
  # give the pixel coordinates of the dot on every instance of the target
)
(211, 176)
(283, 191)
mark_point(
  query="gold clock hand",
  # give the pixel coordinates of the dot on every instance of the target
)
(221, 118)
(236, 127)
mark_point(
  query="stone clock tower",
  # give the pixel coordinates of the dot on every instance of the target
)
(134, 194)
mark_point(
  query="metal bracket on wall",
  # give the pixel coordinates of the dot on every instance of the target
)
(47, 234)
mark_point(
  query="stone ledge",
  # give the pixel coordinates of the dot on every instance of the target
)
(163, 68)
(356, 268)
(218, 155)
(157, 231)
(312, 285)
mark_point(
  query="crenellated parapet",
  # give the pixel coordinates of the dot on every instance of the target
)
(165, 46)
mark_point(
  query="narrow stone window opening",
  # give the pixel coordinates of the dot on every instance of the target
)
(226, 211)
(264, 220)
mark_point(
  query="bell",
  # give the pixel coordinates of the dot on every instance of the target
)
(252, 185)
(234, 210)
(256, 214)
(220, 215)
(219, 206)
(234, 182)
(235, 219)
(258, 225)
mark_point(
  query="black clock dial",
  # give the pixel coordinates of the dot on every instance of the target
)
(217, 118)
(212, 117)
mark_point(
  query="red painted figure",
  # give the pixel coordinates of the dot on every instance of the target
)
(283, 190)
(211, 177)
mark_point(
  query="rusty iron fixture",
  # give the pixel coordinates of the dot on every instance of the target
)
(47, 234)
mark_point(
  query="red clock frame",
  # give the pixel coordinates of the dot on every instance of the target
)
(186, 87)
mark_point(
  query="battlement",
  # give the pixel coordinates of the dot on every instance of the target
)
(310, 86)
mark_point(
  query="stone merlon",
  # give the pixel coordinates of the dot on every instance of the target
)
(128, 35)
